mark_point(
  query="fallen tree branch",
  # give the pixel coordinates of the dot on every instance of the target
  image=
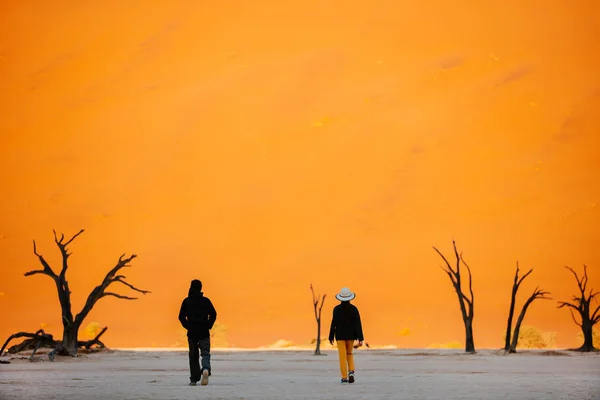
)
(95, 341)
(34, 340)
(41, 339)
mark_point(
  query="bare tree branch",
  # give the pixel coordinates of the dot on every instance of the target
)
(574, 320)
(470, 279)
(74, 237)
(524, 276)
(450, 275)
(596, 316)
(95, 341)
(63, 249)
(443, 258)
(584, 279)
(119, 296)
(315, 301)
(47, 269)
(120, 279)
(567, 304)
(321, 307)
(98, 292)
(579, 281)
(458, 257)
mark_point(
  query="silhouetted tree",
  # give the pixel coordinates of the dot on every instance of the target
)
(71, 324)
(511, 346)
(466, 303)
(318, 308)
(582, 304)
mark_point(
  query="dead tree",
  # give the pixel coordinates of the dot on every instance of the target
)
(71, 324)
(537, 294)
(466, 303)
(582, 304)
(318, 308)
(511, 346)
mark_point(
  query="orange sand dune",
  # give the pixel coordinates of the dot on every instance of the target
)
(261, 146)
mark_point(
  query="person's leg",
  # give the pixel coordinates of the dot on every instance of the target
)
(205, 353)
(341, 345)
(350, 358)
(194, 360)
(349, 355)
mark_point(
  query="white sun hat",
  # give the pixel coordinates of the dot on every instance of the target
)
(345, 295)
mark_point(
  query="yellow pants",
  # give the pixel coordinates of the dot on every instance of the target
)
(346, 357)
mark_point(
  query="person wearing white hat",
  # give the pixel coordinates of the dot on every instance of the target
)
(346, 327)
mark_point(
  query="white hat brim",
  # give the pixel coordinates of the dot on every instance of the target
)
(342, 298)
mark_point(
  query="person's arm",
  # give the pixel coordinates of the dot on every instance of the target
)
(332, 328)
(183, 315)
(358, 326)
(212, 314)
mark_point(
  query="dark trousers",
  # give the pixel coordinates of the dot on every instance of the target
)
(198, 348)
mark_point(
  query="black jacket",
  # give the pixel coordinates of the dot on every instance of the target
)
(197, 315)
(345, 324)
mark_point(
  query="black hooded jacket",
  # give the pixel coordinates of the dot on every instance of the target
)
(197, 315)
(346, 324)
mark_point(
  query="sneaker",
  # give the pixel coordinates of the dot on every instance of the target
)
(344, 380)
(204, 380)
(351, 377)
(192, 383)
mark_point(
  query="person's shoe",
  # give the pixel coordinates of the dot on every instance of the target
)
(344, 380)
(204, 380)
(351, 377)
(192, 383)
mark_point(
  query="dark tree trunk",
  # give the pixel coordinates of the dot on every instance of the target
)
(70, 343)
(582, 304)
(509, 322)
(318, 309)
(469, 341)
(588, 337)
(318, 348)
(466, 302)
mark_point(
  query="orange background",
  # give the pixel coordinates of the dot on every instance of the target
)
(261, 146)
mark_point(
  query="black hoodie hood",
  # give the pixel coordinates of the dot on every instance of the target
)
(193, 294)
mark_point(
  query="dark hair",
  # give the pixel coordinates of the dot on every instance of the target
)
(196, 286)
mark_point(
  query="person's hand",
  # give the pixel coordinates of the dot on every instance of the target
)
(360, 343)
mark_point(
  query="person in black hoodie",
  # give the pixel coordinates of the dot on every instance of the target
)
(198, 315)
(346, 327)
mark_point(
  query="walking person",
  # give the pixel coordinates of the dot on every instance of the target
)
(198, 315)
(346, 327)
